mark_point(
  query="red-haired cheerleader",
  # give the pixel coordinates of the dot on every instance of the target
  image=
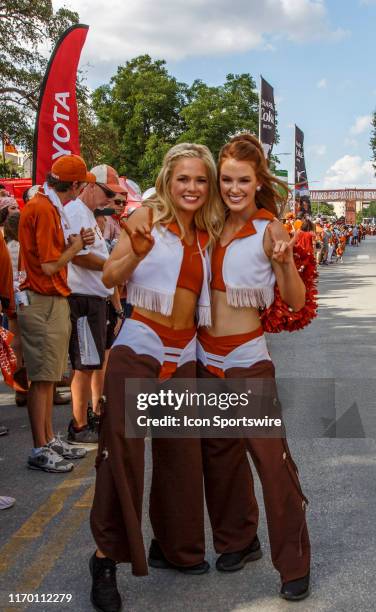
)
(253, 256)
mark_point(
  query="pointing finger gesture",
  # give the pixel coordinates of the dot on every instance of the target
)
(282, 249)
(141, 239)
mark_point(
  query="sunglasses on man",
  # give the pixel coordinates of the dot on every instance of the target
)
(107, 192)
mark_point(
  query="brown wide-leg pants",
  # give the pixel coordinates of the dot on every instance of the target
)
(229, 487)
(176, 498)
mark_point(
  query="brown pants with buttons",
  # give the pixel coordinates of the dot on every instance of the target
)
(229, 488)
(176, 499)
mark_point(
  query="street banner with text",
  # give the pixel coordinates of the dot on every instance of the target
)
(267, 118)
(56, 128)
(302, 196)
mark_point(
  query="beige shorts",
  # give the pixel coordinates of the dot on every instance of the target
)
(45, 330)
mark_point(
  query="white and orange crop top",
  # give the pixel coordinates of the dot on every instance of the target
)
(242, 268)
(191, 275)
(170, 264)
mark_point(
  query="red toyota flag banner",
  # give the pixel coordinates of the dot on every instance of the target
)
(56, 127)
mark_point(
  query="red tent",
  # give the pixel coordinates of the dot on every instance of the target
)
(16, 187)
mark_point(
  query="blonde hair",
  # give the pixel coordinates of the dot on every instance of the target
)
(209, 217)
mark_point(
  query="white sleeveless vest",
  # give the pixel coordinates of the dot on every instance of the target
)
(247, 271)
(153, 283)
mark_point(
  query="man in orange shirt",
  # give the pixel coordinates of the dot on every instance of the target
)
(43, 311)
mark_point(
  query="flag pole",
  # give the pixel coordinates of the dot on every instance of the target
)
(293, 170)
(260, 108)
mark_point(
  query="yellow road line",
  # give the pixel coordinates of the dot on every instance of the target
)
(35, 525)
(47, 555)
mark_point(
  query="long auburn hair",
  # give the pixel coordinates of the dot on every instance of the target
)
(245, 147)
(209, 217)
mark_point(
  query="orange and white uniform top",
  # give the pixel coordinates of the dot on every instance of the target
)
(242, 269)
(153, 283)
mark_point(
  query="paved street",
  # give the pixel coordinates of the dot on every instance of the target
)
(45, 540)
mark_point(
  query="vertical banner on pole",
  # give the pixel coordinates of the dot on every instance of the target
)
(302, 196)
(267, 117)
(56, 127)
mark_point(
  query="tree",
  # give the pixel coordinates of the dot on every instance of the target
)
(214, 114)
(146, 111)
(370, 210)
(141, 107)
(94, 137)
(322, 208)
(24, 24)
(9, 169)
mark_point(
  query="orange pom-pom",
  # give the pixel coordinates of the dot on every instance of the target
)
(279, 317)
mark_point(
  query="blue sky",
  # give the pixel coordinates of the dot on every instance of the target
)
(317, 54)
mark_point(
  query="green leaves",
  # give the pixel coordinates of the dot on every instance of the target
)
(24, 26)
(150, 111)
(323, 208)
(141, 105)
(214, 114)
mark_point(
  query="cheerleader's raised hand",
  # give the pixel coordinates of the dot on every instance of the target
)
(140, 236)
(282, 249)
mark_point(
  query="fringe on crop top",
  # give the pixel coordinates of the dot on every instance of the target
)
(154, 281)
(242, 269)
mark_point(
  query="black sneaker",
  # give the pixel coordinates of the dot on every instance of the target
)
(232, 562)
(93, 419)
(84, 436)
(157, 560)
(104, 594)
(295, 590)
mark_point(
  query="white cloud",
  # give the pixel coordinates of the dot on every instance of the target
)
(322, 84)
(350, 171)
(175, 29)
(351, 142)
(319, 150)
(362, 124)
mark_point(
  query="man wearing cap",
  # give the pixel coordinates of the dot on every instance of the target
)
(88, 299)
(43, 310)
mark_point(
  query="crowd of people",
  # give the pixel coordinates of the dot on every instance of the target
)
(93, 297)
(326, 239)
(55, 252)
